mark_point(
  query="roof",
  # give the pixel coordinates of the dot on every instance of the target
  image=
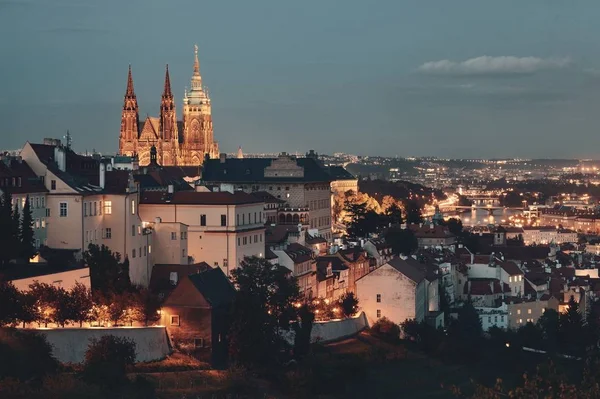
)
(337, 264)
(310, 240)
(197, 198)
(25, 179)
(427, 231)
(269, 254)
(267, 197)
(247, 170)
(511, 268)
(278, 234)
(161, 273)
(214, 286)
(339, 173)
(22, 271)
(299, 253)
(485, 286)
(407, 268)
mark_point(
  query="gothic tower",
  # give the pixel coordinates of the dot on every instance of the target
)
(130, 120)
(198, 137)
(168, 134)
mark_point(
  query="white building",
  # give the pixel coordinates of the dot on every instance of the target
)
(493, 317)
(543, 235)
(222, 227)
(399, 290)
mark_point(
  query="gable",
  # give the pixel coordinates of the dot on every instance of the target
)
(150, 130)
(186, 294)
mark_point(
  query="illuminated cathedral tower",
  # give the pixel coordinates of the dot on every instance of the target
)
(183, 143)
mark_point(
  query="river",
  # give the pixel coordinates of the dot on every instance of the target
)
(482, 217)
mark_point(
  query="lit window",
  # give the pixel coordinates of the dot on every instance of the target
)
(133, 207)
(37, 223)
(149, 249)
(518, 311)
(528, 311)
(43, 223)
(108, 207)
(139, 230)
(510, 279)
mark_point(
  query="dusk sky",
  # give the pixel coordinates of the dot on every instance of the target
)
(459, 78)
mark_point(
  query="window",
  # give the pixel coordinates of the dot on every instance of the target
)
(100, 208)
(37, 202)
(223, 220)
(42, 202)
(202, 220)
(520, 321)
(43, 223)
(133, 207)
(528, 311)
(85, 209)
(133, 230)
(237, 217)
(133, 253)
(37, 242)
(145, 250)
(37, 223)
(378, 313)
(510, 279)
(140, 252)
(175, 321)
(149, 249)
(378, 298)
(495, 319)
(87, 236)
(199, 342)
(95, 234)
(108, 233)
(63, 210)
(173, 235)
(245, 240)
(243, 218)
(254, 217)
(184, 235)
(48, 212)
(108, 207)
(239, 241)
(95, 208)
(260, 237)
(489, 319)
(52, 184)
(139, 230)
(518, 311)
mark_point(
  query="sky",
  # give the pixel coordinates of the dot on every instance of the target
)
(459, 78)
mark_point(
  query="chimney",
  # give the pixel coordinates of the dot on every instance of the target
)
(102, 175)
(222, 157)
(60, 157)
(170, 189)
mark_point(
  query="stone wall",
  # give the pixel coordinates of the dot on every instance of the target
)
(333, 330)
(70, 344)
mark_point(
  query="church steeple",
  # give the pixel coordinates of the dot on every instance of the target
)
(130, 121)
(168, 117)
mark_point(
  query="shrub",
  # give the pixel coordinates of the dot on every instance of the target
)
(349, 304)
(107, 360)
(385, 328)
(25, 355)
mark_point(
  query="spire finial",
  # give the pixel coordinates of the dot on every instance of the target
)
(196, 62)
(167, 89)
(130, 92)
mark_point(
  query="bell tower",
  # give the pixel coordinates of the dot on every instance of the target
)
(198, 137)
(130, 120)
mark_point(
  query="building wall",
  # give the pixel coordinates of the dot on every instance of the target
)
(214, 243)
(38, 205)
(194, 323)
(521, 313)
(398, 295)
(493, 317)
(166, 249)
(66, 279)
(70, 344)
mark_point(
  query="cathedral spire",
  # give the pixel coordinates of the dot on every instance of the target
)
(130, 92)
(167, 90)
(196, 78)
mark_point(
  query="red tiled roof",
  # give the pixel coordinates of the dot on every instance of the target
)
(511, 268)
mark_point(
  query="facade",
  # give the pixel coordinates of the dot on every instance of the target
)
(17, 178)
(22, 276)
(521, 312)
(379, 250)
(86, 205)
(222, 228)
(303, 183)
(493, 317)
(548, 234)
(433, 236)
(196, 314)
(300, 260)
(397, 290)
(181, 143)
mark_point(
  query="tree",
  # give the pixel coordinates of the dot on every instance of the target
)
(107, 273)
(413, 212)
(465, 333)
(263, 307)
(9, 304)
(386, 329)
(107, 360)
(146, 306)
(303, 331)
(572, 329)
(61, 304)
(26, 356)
(118, 306)
(403, 241)
(28, 311)
(394, 215)
(349, 304)
(80, 304)
(455, 226)
(26, 237)
(549, 324)
(9, 232)
(45, 298)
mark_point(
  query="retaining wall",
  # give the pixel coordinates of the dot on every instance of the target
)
(70, 344)
(333, 330)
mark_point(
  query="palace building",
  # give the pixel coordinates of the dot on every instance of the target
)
(178, 143)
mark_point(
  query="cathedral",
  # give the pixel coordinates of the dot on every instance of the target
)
(178, 143)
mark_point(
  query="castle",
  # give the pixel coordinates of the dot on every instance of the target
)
(177, 143)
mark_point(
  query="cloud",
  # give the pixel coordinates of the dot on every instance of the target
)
(487, 65)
